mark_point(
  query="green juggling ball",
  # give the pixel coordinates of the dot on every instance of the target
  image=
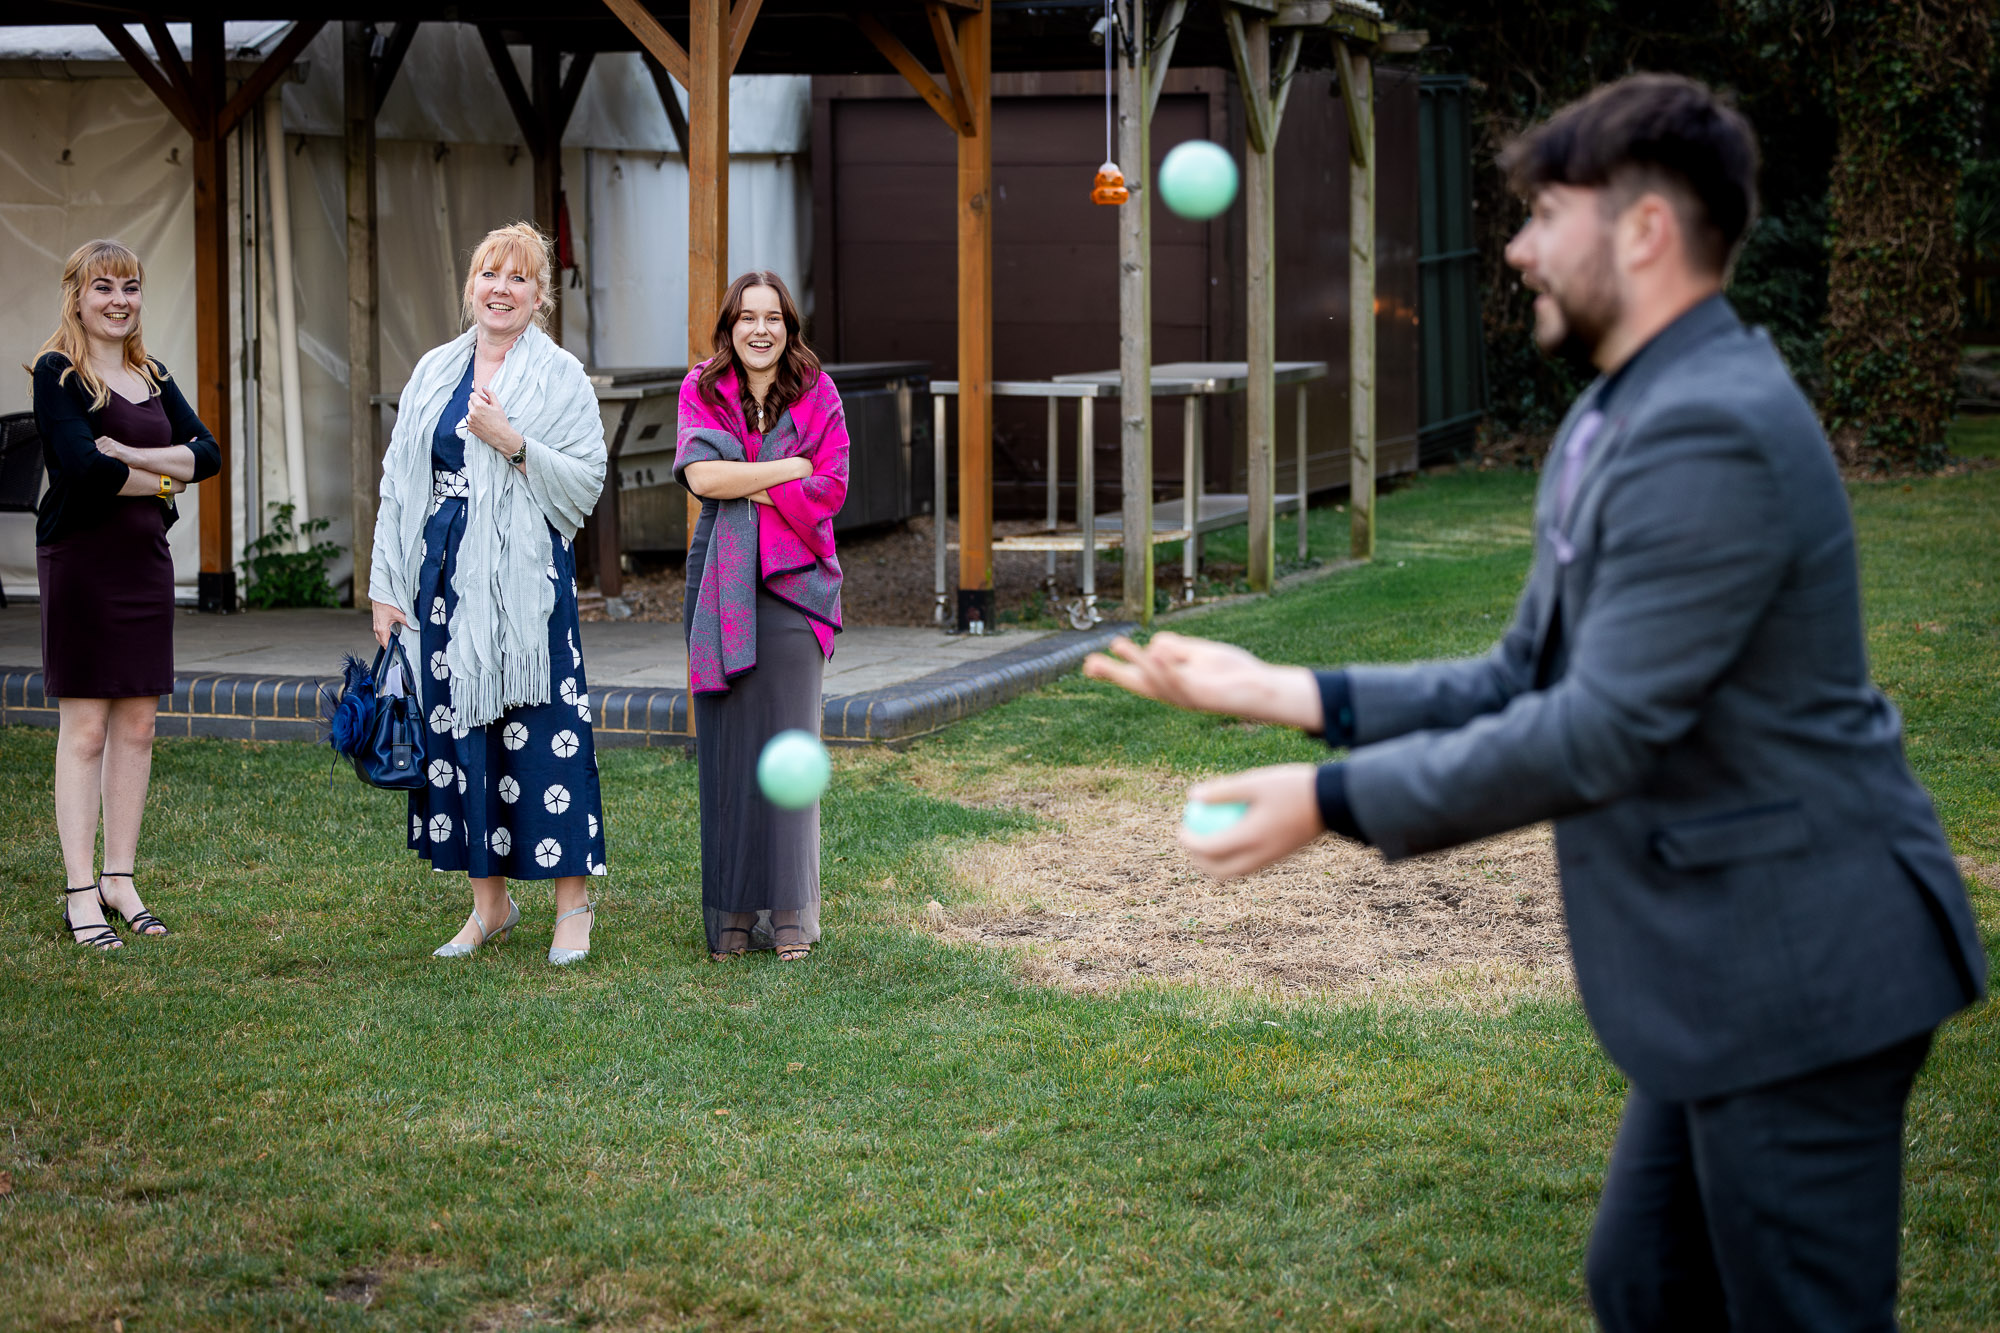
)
(1197, 179)
(1201, 819)
(793, 769)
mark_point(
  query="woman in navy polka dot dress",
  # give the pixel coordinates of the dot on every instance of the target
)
(517, 798)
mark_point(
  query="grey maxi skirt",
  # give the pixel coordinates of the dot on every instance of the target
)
(756, 859)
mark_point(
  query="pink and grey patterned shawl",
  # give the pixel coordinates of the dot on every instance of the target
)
(789, 542)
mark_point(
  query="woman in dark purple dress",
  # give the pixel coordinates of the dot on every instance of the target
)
(119, 442)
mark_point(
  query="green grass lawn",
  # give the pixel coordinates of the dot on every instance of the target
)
(288, 1115)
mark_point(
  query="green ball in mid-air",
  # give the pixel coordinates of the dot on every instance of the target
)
(793, 769)
(1197, 179)
(1201, 819)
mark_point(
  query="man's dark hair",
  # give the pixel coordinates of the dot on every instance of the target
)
(1651, 132)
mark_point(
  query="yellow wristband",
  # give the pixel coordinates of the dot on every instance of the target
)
(166, 486)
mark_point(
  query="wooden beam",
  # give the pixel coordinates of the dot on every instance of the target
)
(1135, 336)
(1260, 341)
(1358, 78)
(172, 98)
(572, 88)
(1256, 106)
(1282, 86)
(216, 582)
(670, 102)
(171, 63)
(1360, 126)
(364, 321)
(1404, 41)
(913, 72)
(526, 116)
(741, 18)
(1162, 55)
(639, 21)
(545, 69)
(1332, 18)
(975, 326)
(391, 60)
(708, 181)
(954, 68)
(252, 91)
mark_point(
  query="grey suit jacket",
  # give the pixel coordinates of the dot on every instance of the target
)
(1756, 885)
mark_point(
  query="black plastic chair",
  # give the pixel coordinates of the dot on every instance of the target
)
(20, 467)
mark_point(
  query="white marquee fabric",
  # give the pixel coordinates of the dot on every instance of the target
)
(86, 151)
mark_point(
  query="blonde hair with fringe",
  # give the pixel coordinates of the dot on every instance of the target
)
(521, 247)
(94, 260)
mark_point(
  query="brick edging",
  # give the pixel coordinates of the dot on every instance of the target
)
(286, 708)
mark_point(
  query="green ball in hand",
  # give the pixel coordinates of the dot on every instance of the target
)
(1197, 179)
(1201, 819)
(793, 769)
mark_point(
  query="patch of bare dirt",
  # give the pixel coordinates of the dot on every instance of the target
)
(1104, 898)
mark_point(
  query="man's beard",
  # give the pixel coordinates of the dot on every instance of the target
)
(1587, 313)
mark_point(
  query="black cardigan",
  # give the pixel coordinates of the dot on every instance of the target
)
(83, 483)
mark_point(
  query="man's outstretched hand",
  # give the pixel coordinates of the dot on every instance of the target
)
(1283, 817)
(1211, 677)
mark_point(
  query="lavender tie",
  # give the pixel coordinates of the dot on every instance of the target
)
(1576, 452)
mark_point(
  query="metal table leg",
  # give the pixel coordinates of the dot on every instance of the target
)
(1055, 468)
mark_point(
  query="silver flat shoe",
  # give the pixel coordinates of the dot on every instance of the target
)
(454, 950)
(564, 957)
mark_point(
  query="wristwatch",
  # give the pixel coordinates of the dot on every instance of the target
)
(519, 456)
(166, 487)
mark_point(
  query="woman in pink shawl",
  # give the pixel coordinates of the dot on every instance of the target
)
(763, 444)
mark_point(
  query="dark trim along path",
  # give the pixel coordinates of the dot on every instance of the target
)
(286, 708)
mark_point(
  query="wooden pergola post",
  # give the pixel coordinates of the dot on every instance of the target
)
(1357, 90)
(708, 181)
(965, 103)
(1135, 314)
(198, 98)
(1263, 111)
(364, 315)
(972, 63)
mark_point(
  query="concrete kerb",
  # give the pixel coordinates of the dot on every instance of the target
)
(246, 707)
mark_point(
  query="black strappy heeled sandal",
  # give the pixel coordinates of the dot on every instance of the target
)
(144, 923)
(105, 937)
(725, 954)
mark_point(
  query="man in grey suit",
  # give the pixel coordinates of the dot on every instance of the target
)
(1764, 916)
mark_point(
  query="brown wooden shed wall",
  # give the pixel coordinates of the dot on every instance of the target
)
(885, 278)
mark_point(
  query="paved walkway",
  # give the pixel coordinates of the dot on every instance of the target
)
(257, 675)
(625, 653)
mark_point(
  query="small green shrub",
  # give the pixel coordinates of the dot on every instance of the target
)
(281, 576)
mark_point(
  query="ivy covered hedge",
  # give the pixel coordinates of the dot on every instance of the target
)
(1867, 111)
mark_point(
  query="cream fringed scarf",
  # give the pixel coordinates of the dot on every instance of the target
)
(499, 653)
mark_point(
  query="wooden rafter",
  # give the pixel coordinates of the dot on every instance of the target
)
(171, 64)
(526, 114)
(1281, 83)
(391, 60)
(173, 98)
(946, 38)
(572, 88)
(655, 38)
(1164, 36)
(253, 88)
(670, 102)
(741, 16)
(1360, 118)
(915, 74)
(1256, 101)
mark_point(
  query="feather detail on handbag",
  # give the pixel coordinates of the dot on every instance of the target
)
(350, 713)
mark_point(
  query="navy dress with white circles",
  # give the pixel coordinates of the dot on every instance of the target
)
(518, 797)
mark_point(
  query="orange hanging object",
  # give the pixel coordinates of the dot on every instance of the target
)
(1110, 186)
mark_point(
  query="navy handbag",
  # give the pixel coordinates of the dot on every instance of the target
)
(378, 720)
